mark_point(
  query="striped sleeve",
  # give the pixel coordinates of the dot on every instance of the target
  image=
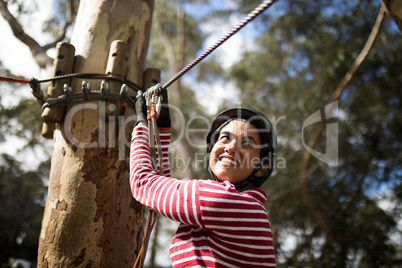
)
(172, 198)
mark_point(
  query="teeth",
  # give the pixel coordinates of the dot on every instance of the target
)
(230, 161)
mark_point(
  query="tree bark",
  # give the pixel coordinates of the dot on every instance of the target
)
(91, 218)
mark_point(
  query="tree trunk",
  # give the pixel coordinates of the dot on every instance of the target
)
(91, 218)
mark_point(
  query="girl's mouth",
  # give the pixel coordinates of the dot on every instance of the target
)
(229, 161)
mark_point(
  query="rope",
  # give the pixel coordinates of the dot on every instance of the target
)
(252, 15)
(129, 83)
(153, 139)
(148, 228)
(14, 80)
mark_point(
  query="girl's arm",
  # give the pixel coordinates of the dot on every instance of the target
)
(172, 198)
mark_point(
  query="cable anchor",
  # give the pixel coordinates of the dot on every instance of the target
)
(153, 100)
(86, 90)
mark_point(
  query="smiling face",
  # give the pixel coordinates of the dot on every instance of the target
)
(236, 152)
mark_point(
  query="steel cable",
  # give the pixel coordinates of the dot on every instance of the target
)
(252, 15)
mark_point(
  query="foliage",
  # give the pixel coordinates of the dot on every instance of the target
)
(293, 73)
(20, 114)
(22, 187)
(22, 197)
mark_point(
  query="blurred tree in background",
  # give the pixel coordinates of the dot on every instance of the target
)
(22, 179)
(298, 54)
(302, 54)
(22, 197)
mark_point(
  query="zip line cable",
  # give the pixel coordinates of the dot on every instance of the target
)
(251, 16)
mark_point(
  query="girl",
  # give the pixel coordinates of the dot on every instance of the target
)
(223, 221)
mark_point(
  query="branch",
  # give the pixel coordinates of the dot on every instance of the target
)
(38, 52)
(300, 247)
(167, 44)
(394, 10)
(338, 91)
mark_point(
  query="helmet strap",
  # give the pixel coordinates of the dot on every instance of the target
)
(244, 183)
(241, 185)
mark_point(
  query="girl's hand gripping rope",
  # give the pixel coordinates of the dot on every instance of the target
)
(158, 107)
(141, 108)
(154, 103)
(164, 115)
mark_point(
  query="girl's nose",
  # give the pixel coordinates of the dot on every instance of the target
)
(231, 146)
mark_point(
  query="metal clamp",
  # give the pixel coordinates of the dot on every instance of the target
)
(71, 98)
(153, 100)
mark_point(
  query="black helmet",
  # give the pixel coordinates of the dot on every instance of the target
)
(267, 134)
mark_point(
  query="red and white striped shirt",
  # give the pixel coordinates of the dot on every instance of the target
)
(220, 227)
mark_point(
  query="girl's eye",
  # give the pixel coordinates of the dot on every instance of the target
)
(224, 137)
(248, 144)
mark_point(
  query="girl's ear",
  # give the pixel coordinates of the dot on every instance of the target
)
(262, 170)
